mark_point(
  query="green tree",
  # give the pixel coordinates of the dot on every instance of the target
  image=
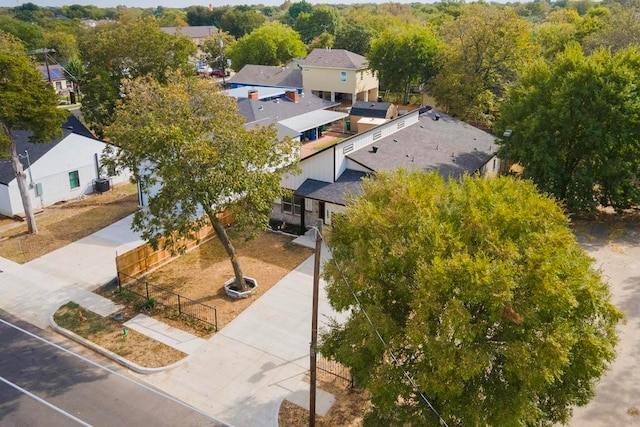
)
(110, 56)
(297, 8)
(486, 46)
(321, 19)
(481, 294)
(193, 157)
(31, 35)
(323, 41)
(26, 103)
(239, 22)
(272, 44)
(620, 29)
(215, 48)
(405, 57)
(199, 16)
(576, 127)
(354, 37)
(64, 44)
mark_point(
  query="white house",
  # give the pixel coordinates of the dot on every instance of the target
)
(417, 140)
(63, 169)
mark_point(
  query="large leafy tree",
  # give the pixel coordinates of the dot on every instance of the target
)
(110, 56)
(239, 22)
(272, 44)
(193, 157)
(26, 103)
(576, 127)
(405, 57)
(215, 48)
(486, 46)
(481, 294)
(321, 19)
(354, 37)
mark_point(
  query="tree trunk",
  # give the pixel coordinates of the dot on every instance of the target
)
(21, 178)
(222, 235)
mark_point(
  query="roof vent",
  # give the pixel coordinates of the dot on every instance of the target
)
(374, 149)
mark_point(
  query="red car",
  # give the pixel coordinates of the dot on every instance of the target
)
(218, 73)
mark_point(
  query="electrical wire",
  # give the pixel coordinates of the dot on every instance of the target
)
(382, 340)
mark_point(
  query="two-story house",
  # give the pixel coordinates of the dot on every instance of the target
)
(339, 75)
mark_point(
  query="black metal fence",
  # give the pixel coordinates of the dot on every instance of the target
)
(185, 307)
(331, 367)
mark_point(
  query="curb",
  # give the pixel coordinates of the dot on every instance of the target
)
(111, 355)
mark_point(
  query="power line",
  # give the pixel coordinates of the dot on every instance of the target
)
(382, 340)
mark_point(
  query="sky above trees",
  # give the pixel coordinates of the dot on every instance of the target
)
(186, 3)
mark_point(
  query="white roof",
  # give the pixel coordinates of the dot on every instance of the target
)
(264, 92)
(312, 119)
(372, 121)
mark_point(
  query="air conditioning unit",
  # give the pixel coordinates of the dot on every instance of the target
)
(101, 185)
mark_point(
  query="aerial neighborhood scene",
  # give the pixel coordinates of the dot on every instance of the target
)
(332, 214)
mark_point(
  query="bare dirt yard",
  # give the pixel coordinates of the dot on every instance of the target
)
(66, 222)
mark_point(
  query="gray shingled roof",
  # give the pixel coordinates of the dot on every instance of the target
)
(370, 109)
(267, 75)
(39, 149)
(349, 183)
(254, 110)
(448, 145)
(335, 58)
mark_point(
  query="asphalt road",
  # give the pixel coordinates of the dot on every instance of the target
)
(43, 384)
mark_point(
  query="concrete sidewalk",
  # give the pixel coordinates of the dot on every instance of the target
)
(240, 375)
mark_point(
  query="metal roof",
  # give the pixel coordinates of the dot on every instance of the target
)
(312, 119)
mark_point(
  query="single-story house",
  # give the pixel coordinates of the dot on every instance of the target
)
(289, 77)
(63, 169)
(196, 33)
(58, 77)
(302, 115)
(364, 114)
(416, 140)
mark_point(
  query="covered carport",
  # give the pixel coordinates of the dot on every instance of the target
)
(311, 125)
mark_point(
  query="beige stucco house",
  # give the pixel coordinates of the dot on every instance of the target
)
(339, 76)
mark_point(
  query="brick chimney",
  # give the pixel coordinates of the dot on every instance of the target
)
(292, 95)
(253, 94)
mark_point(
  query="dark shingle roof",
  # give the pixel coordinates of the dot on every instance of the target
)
(38, 149)
(267, 75)
(254, 110)
(370, 109)
(448, 145)
(335, 58)
(349, 183)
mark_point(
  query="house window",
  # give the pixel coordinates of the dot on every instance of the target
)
(74, 179)
(361, 75)
(343, 76)
(58, 85)
(292, 205)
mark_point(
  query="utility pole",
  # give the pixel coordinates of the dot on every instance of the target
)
(314, 326)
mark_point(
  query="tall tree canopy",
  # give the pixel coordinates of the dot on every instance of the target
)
(272, 44)
(26, 103)
(321, 19)
(482, 295)
(354, 37)
(193, 157)
(486, 46)
(405, 57)
(111, 56)
(576, 127)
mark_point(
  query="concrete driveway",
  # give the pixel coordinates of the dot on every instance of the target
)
(617, 255)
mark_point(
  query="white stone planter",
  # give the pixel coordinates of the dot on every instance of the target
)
(234, 294)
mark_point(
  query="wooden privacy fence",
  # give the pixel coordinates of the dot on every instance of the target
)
(144, 258)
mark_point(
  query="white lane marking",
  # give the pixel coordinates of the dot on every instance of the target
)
(91, 362)
(44, 402)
